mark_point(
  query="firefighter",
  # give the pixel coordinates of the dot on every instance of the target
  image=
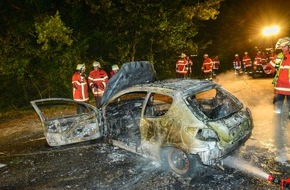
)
(189, 66)
(282, 78)
(270, 67)
(98, 80)
(207, 67)
(237, 64)
(264, 58)
(247, 63)
(80, 87)
(281, 83)
(215, 65)
(257, 63)
(181, 66)
(115, 69)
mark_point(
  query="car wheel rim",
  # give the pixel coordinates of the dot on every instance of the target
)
(178, 161)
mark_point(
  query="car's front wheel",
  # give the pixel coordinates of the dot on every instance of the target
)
(179, 161)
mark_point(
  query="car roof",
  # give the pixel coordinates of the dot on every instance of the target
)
(142, 74)
(174, 86)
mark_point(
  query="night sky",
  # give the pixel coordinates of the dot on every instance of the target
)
(258, 14)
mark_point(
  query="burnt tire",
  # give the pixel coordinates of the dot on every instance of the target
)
(180, 162)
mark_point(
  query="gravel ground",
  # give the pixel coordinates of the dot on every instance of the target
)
(29, 163)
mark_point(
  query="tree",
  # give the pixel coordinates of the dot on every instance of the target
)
(53, 36)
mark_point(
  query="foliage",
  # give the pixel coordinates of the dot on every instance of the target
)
(53, 29)
(43, 41)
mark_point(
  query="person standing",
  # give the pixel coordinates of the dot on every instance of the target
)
(80, 87)
(114, 70)
(270, 66)
(264, 58)
(98, 80)
(207, 67)
(247, 63)
(257, 63)
(237, 64)
(189, 66)
(181, 66)
(281, 83)
(215, 65)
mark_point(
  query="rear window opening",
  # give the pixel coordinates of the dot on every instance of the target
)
(215, 103)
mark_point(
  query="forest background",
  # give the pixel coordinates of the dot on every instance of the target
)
(41, 42)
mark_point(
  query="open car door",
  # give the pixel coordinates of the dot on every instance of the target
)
(61, 123)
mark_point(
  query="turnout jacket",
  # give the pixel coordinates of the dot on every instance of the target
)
(80, 87)
(98, 81)
(247, 62)
(207, 65)
(281, 80)
(181, 66)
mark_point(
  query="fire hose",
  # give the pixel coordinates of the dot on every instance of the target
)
(282, 182)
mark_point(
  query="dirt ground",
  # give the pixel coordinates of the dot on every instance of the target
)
(29, 163)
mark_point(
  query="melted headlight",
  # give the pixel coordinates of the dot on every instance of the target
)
(207, 135)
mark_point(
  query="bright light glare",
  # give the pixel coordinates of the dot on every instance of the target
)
(271, 30)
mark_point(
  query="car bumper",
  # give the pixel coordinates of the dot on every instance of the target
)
(213, 156)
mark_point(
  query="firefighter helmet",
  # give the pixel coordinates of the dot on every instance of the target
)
(246, 53)
(96, 64)
(237, 55)
(183, 55)
(205, 55)
(81, 67)
(285, 41)
(115, 67)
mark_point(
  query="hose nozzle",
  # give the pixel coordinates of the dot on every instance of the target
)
(273, 179)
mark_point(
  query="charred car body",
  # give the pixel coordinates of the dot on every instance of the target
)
(176, 122)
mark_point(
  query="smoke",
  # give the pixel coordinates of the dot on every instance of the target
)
(240, 164)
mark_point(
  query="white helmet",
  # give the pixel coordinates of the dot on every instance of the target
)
(81, 67)
(183, 55)
(237, 55)
(282, 42)
(205, 55)
(115, 67)
(96, 64)
(246, 53)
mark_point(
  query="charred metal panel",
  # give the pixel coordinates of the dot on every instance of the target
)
(130, 74)
(62, 125)
(71, 130)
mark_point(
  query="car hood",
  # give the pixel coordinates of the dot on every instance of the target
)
(131, 73)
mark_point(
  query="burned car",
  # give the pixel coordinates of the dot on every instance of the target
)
(179, 123)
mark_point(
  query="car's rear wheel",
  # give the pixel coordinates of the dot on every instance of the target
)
(179, 161)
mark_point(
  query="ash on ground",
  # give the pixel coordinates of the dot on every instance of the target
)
(27, 162)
